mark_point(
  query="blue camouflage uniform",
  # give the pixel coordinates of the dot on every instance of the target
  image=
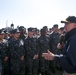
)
(16, 51)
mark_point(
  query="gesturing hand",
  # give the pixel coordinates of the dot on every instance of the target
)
(48, 56)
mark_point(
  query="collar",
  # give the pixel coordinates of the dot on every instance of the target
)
(70, 33)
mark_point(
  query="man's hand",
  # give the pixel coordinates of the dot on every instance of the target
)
(22, 58)
(48, 56)
(6, 58)
(35, 56)
(59, 46)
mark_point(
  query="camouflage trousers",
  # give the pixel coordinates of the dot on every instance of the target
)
(32, 67)
(5, 68)
(18, 68)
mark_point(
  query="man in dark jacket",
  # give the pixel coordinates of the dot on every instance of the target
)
(68, 57)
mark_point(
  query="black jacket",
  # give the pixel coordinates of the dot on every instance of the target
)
(68, 57)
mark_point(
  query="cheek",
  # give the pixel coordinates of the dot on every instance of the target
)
(2, 36)
(18, 35)
(69, 28)
(32, 33)
(66, 28)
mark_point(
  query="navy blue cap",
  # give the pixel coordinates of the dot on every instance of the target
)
(62, 28)
(21, 28)
(70, 19)
(42, 30)
(55, 25)
(1, 31)
(35, 29)
(6, 32)
(45, 27)
(15, 31)
(50, 28)
(30, 29)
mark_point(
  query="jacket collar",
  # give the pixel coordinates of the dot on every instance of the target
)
(70, 33)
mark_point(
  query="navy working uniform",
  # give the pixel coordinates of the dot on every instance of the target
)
(43, 41)
(31, 48)
(16, 51)
(4, 54)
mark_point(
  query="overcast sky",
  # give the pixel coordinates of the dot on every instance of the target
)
(35, 13)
